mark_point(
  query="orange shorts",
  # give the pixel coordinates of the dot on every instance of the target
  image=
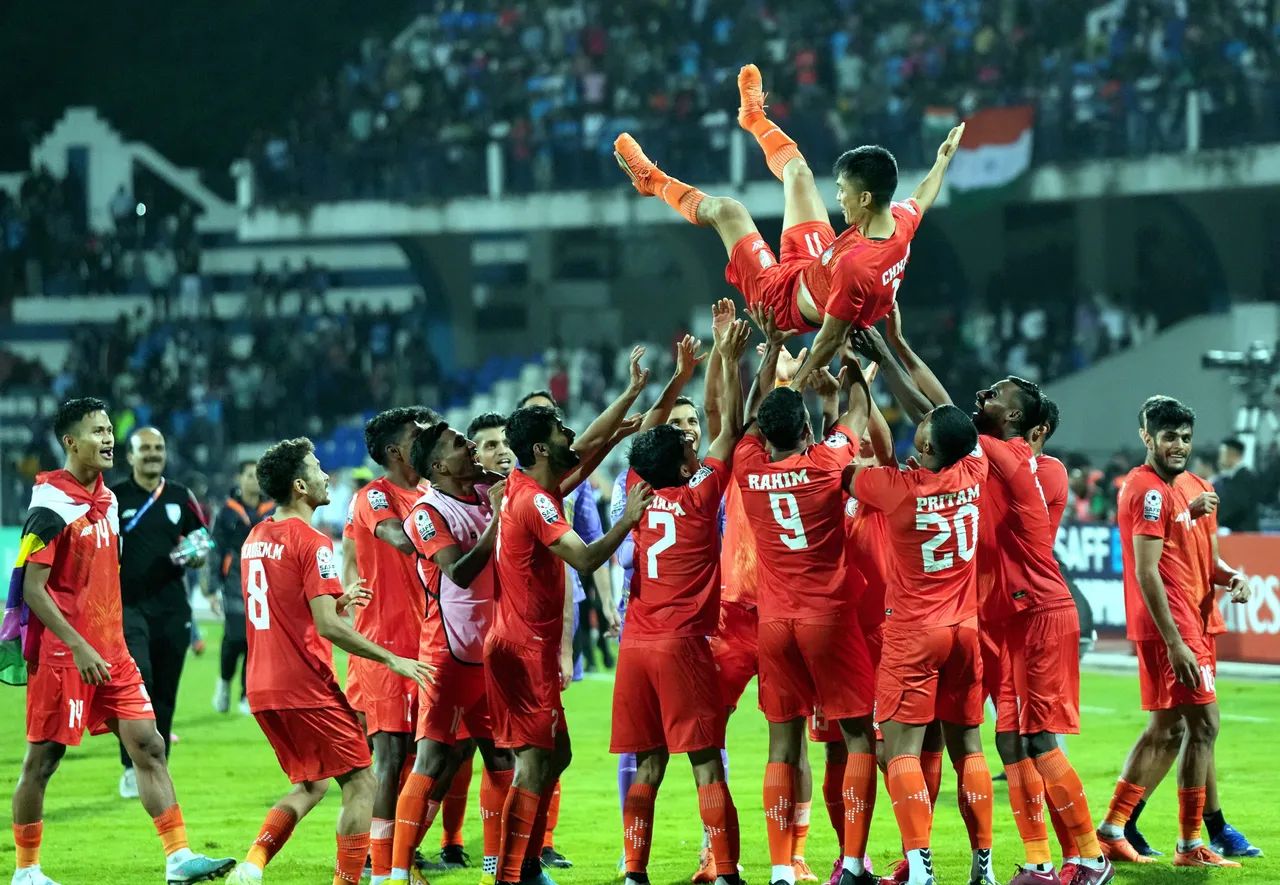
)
(930, 672)
(523, 685)
(1044, 652)
(815, 666)
(317, 743)
(997, 676)
(1160, 690)
(762, 279)
(389, 702)
(456, 706)
(826, 731)
(735, 649)
(61, 705)
(665, 694)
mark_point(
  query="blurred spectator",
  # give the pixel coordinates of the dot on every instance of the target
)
(1237, 487)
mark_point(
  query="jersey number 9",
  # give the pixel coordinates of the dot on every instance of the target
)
(786, 513)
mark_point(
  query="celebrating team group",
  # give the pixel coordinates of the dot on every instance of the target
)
(879, 605)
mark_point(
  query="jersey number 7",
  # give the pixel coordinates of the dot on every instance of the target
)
(660, 519)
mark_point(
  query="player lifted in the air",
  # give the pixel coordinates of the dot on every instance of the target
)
(821, 280)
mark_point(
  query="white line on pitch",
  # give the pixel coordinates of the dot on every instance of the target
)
(1104, 710)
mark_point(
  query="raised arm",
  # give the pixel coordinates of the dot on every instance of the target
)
(869, 343)
(730, 346)
(833, 332)
(603, 428)
(463, 568)
(687, 361)
(858, 409)
(588, 557)
(1147, 551)
(766, 375)
(828, 388)
(722, 314)
(588, 466)
(877, 428)
(921, 375)
(928, 189)
(35, 593)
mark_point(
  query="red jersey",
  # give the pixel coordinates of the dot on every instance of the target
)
(867, 552)
(284, 564)
(1052, 474)
(1193, 486)
(857, 278)
(1028, 577)
(393, 617)
(76, 532)
(933, 523)
(675, 588)
(1150, 507)
(737, 552)
(531, 584)
(795, 508)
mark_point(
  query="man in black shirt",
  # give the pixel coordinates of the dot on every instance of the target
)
(155, 515)
(244, 509)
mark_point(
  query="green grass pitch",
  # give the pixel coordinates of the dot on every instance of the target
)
(227, 778)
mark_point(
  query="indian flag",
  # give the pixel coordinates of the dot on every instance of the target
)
(994, 156)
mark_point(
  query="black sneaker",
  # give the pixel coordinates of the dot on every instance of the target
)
(1140, 843)
(554, 860)
(848, 877)
(422, 865)
(452, 857)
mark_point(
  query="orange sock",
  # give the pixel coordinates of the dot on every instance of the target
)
(1063, 788)
(833, 796)
(684, 198)
(779, 148)
(173, 833)
(779, 810)
(406, 770)
(1066, 841)
(553, 818)
(494, 786)
(800, 829)
(720, 820)
(276, 830)
(414, 813)
(974, 796)
(538, 835)
(637, 826)
(352, 851)
(859, 802)
(910, 803)
(518, 816)
(26, 837)
(1026, 799)
(453, 811)
(931, 764)
(382, 835)
(1123, 801)
(1190, 813)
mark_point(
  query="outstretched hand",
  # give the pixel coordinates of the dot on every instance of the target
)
(824, 384)
(947, 149)
(869, 344)
(639, 376)
(733, 342)
(764, 319)
(723, 312)
(687, 357)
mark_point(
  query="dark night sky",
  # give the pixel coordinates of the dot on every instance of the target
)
(193, 78)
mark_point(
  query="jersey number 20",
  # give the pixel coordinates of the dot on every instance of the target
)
(966, 537)
(256, 607)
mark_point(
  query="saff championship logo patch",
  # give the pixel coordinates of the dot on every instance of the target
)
(546, 509)
(378, 500)
(324, 563)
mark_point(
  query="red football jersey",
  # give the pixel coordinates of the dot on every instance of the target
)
(737, 552)
(675, 588)
(393, 617)
(1193, 486)
(284, 564)
(531, 586)
(867, 552)
(1052, 474)
(1019, 518)
(857, 278)
(795, 508)
(933, 523)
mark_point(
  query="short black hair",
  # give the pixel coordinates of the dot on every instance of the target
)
(657, 455)
(487, 421)
(782, 417)
(423, 451)
(952, 434)
(683, 400)
(527, 427)
(1169, 414)
(73, 411)
(384, 427)
(536, 393)
(1146, 406)
(280, 465)
(1234, 445)
(246, 462)
(871, 168)
(1052, 417)
(1030, 403)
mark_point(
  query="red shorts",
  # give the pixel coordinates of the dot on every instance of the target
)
(762, 279)
(930, 672)
(523, 685)
(815, 666)
(665, 694)
(735, 649)
(1044, 651)
(826, 731)
(1160, 690)
(456, 705)
(997, 676)
(61, 705)
(389, 702)
(317, 743)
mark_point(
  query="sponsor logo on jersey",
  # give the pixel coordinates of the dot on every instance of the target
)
(378, 500)
(766, 260)
(423, 523)
(837, 440)
(1152, 503)
(324, 563)
(546, 509)
(699, 477)
(757, 245)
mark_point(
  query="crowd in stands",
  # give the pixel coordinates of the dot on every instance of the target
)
(552, 82)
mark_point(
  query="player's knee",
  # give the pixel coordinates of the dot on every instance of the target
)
(797, 172)
(1169, 739)
(40, 763)
(720, 211)
(1040, 743)
(1202, 728)
(361, 783)
(147, 751)
(1009, 746)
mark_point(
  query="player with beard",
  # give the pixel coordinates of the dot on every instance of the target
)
(528, 652)
(1166, 732)
(294, 604)
(1035, 608)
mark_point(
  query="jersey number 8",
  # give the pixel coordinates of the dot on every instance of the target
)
(256, 607)
(966, 537)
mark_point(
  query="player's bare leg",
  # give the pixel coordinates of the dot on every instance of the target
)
(276, 830)
(974, 795)
(453, 806)
(857, 796)
(1193, 774)
(786, 745)
(1063, 788)
(836, 757)
(1148, 762)
(524, 817)
(390, 750)
(637, 813)
(804, 807)
(354, 819)
(911, 806)
(38, 765)
(1026, 799)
